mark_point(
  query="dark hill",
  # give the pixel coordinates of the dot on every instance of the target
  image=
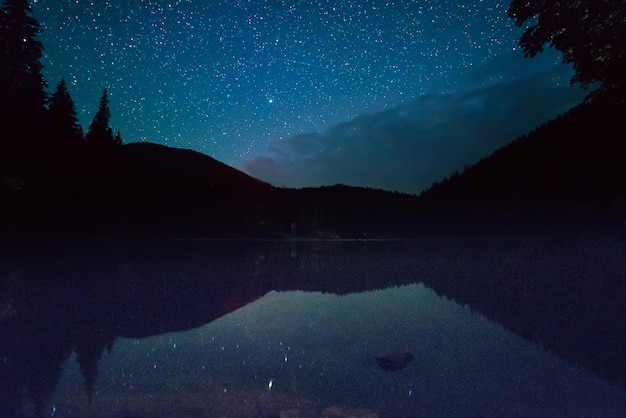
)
(154, 188)
(168, 187)
(347, 212)
(180, 166)
(569, 172)
(144, 188)
(135, 188)
(178, 190)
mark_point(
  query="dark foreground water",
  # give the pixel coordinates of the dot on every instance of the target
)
(293, 329)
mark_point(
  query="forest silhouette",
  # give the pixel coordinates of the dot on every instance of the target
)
(567, 176)
(33, 123)
(57, 179)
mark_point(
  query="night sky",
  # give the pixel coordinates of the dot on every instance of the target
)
(389, 94)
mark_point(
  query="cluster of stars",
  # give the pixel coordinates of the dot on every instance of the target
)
(229, 77)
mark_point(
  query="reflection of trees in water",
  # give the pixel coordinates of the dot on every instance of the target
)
(567, 296)
(89, 348)
(316, 261)
(33, 363)
(81, 300)
(35, 350)
(320, 255)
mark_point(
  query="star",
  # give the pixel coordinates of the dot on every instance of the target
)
(196, 74)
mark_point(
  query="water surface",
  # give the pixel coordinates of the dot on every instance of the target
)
(256, 328)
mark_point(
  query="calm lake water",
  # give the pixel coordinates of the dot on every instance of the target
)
(260, 329)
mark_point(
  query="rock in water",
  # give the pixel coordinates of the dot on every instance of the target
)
(394, 361)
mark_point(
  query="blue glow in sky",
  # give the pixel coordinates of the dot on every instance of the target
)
(235, 79)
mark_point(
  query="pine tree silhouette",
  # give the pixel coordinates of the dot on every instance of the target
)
(118, 138)
(64, 132)
(100, 134)
(22, 86)
(89, 349)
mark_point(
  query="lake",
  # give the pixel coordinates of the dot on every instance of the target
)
(515, 327)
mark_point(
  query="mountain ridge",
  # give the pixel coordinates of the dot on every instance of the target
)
(564, 174)
(571, 166)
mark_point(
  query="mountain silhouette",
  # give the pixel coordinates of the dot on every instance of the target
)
(139, 187)
(180, 166)
(185, 188)
(566, 174)
(145, 188)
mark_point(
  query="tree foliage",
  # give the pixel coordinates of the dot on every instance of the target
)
(22, 86)
(118, 138)
(63, 127)
(590, 34)
(100, 134)
(33, 129)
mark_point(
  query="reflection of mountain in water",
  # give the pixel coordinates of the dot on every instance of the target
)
(317, 350)
(564, 294)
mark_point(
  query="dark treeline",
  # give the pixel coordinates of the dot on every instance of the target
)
(44, 152)
(54, 177)
(567, 173)
(32, 122)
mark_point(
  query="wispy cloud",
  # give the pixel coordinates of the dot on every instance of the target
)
(409, 147)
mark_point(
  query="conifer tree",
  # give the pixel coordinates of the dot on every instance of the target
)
(118, 138)
(100, 134)
(22, 87)
(63, 128)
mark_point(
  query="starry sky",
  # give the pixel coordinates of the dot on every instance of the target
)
(383, 93)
